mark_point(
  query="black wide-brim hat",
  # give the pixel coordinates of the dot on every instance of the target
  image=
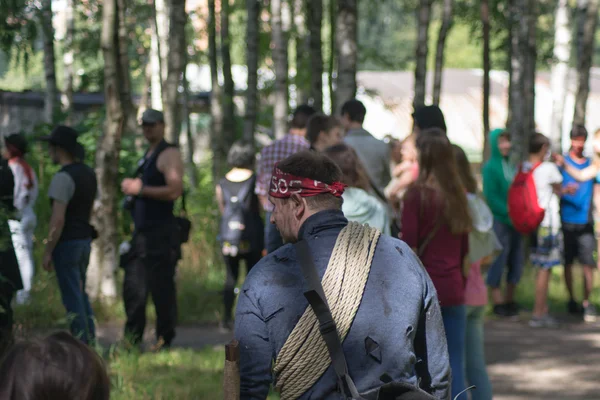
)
(64, 137)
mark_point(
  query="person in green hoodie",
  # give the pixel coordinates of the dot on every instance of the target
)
(498, 174)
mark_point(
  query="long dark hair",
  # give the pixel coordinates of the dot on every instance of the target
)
(438, 170)
(57, 367)
(354, 173)
(464, 170)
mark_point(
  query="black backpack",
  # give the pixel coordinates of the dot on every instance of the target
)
(238, 213)
(316, 298)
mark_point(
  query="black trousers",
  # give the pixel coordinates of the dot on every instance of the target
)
(7, 292)
(150, 269)
(232, 265)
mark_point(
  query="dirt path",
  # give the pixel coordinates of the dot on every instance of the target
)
(523, 363)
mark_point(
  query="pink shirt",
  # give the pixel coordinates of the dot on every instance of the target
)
(475, 290)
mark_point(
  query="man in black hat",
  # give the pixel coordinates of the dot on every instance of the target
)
(72, 192)
(151, 262)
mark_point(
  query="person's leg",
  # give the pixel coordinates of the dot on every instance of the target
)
(540, 308)
(570, 252)
(86, 248)
(6, 317)
(273, 239)
(516, 262)
(252, 259)
(232, 267)
(161, 283)
(496, 270)
(587, 247)
(476, 371)
(135, 293)
(20, 244)
(455, 321)
(66, 258)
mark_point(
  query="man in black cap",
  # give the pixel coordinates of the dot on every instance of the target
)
(72, 192)
(151, 262)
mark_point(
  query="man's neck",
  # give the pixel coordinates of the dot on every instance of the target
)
(576, 156)
(298, 132)
(66, 161)
(355, 125)
(535, 158)
(153, 146)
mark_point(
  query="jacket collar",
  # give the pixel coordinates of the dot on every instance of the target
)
(322, 221)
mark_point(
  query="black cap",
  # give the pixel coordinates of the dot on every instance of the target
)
(18, 141)
(64, 137)
(429, 117)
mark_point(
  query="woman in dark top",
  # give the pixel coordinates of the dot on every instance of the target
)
(436, 223)
(242, 230)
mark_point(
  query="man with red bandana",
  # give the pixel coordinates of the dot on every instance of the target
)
(397, 331)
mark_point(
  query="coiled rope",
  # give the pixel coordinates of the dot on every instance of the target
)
(304, 356)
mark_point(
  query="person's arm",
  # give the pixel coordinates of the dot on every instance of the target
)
(410, 218)
(170, 164)
(57, 223)
(220, 201)
(256, 353)
(405, 180)
(491, 187)
(581, 175)
(597, 197)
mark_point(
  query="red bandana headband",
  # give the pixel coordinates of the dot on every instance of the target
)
(284, 185)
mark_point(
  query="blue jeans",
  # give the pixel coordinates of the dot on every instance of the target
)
(475, 356)
(455, 324)
(273, 239)
(71, 260)
(511, 256)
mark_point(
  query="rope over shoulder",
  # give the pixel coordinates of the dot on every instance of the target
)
(304, 357)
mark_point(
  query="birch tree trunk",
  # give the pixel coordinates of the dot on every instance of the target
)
(252, 42)
(103, 260)
(192, 171)
(156, 63)
(560, 72)
(332, 53)
(485, 20)
(228, 84)
(587, 11)
(314, 22)
(68, 58)
(302, 79)
(50, 103)
(162, 29)
(423, 20)
(528, 29)
(517, 117)
(347, 51)
(131, 125)
(447, 21)
(217, 143)
(175, 66)
(280, 62)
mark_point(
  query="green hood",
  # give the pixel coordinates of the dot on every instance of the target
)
(498, 174)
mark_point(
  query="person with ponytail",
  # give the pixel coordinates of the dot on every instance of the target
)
(25, 196)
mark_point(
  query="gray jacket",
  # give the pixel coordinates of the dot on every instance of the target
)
(373, 153)
(399, 309)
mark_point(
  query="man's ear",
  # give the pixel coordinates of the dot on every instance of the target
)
(299, 205)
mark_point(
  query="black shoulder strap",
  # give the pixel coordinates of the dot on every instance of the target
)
(317, 300)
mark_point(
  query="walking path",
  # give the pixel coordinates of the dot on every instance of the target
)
(523, 363)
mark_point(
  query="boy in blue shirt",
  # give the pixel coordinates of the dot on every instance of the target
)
(577, 225)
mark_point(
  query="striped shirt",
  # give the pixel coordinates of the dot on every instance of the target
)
(271, 155)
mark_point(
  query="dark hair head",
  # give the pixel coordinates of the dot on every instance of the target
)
(464, 169)
(537, 142)
(16, 143)
(57, 367)
(301, 116)
(314, 165)
(241, 155)
(429, 117)
(354, 173)
(438, 170)
(320, 123)
(355, 109)
(579, 131)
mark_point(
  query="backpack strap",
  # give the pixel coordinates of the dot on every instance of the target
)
(317, 300)
(431, 235)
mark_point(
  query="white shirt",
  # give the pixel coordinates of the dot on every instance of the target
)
(24, 196)
(545, 176)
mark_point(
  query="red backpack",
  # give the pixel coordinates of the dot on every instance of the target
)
(523, 208)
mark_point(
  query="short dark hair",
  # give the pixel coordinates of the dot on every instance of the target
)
(355, 109)
(301, 116)
(536, 142)
(58, 367)
(317, 166)
(354, 173)
(426, 117)
(579, 131)
(320, 123)
(241, 155)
